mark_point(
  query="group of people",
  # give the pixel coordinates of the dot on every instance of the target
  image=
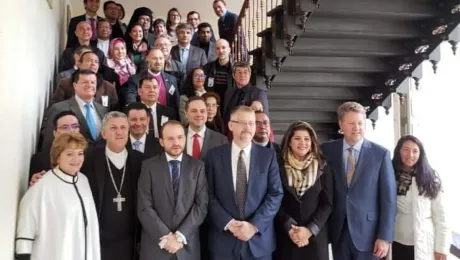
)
(158, 152)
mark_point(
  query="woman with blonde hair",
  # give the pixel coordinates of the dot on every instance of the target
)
(57, 217)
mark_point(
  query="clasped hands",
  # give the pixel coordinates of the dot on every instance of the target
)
(299, 235)
(242, 230)
(172, 245)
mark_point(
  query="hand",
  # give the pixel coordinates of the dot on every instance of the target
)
(244, 230)
(439, 256)
(300, 235)
(36, 177)
(381, 248)
(172, 245)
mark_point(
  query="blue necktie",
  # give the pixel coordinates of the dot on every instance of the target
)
(184, 56)
(137, 145)
(90, 121)
(175, 165)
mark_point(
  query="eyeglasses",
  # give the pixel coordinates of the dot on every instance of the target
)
(212, 105)
(69, 127)
(262, 123)
(244, 123)
(199, 76)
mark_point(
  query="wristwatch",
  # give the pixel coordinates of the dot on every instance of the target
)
(179, 238)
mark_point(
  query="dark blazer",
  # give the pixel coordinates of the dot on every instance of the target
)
(72, 40)
(66, 105)
(210, 71)
(211, 140)
(66, 61)
(196, 59)
(211, 55)
(178, 71)
(159, 214)
(227, 25)
(152, 147)
(40, 161)
(166, 111)
(369, 204)
(131, 86)
(311, 210)
(251, 93)
(65, 90)
(264, 195)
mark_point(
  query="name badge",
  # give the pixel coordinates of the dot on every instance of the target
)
(164, 119)
(172, 89)
(211, 82)
(105, 101)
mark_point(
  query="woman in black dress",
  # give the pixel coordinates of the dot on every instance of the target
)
(301, 229)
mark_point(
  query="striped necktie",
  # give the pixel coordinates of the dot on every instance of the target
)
(351, 165)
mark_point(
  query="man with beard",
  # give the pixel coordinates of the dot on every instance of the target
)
(173, 67)
(113, 172)
(262, 135)
(241, 215)
(172, 200)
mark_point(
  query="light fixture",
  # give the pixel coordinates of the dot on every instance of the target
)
(405, 66)
(422, 49)
(440, 29)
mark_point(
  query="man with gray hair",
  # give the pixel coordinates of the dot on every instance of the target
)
(113, 172)
(192, 57)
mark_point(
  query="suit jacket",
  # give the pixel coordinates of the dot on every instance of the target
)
(369, 204)
(264, 195)
(196, 57)
(131, 86)
(72, 40)
(66, 61)
(40, 161)
(65, 90)
(165, 111)
(159, 215)
(211, 140)
(178, 71)
(66, 105)
(211, 55)
(251, 93)
(227, 26)
(151, 147)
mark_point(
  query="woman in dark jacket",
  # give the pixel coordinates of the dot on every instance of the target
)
(215, 121)
(300, 224)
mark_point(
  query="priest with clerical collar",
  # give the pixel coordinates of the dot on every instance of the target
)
(113, 172)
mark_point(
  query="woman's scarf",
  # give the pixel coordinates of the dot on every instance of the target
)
(404, 181)
(301, 174)
(124, 68)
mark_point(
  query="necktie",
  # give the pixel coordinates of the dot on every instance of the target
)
(152, 123)
(93, 28)
(175, 177)
(241, 184)
(196, 146)
(137, 145)
(90, 121)
(351, 165)
(183, 59)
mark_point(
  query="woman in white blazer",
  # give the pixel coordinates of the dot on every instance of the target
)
(421, 231)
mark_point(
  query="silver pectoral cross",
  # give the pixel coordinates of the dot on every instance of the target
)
(119, 199)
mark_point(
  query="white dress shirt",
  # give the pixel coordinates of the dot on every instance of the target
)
(190, 134)
(141, 145)
(247, 160)
(155, 118)
(118, 159)
(404, 225)
(96, 117)
(103, 46)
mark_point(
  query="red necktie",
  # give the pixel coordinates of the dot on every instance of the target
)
(196, 147)
(93, 28)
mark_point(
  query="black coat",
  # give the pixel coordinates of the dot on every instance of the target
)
(152, 147)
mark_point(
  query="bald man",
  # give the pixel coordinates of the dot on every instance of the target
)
(219, 72)
(84, 33)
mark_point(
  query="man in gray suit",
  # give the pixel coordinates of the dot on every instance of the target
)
(89, 113)
(200, 139)
(192, 57)
(172, 200)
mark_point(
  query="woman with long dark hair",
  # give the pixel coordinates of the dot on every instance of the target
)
(301, 230)
(421, 231)
(136, 45)
(172, 20)
(215, 121)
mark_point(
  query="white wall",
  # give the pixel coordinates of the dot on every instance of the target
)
(160, 8)
(29, 45)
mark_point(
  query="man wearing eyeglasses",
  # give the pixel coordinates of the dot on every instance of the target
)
(262, 134)
(65, 121)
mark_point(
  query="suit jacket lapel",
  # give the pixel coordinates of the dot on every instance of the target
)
(338, 162)
(84, 128)
(191, 57)
(206, 141)
(365, 155)
(253, 174)
(166, 175)
(159, 114)
(227, 175)
(184, 180)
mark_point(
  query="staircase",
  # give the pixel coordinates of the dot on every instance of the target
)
(312, 55)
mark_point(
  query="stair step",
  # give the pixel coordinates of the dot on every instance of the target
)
(328, 128)
(394, 9)
(327, 79)
(308, 116)
(333, 64)
(282, 104)
(363, 28)
(302, 92)
(348, 47)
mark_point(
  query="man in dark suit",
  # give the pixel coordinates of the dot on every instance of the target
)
(91, 17)
(242, 92)
(263, 131)
(89, 113)
(227, 21)
(194, 20)
(172, 67)
(192, 57)
(170, 224)
(158, 114)
(83, 33)
(106, 94)
(168, 94)
(363, 216)
(111, 13)
(76, 57)
(241, 215)
(139, 140)
(204, 41)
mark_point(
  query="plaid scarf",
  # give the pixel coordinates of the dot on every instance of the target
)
(301, 174)
(404, 181)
